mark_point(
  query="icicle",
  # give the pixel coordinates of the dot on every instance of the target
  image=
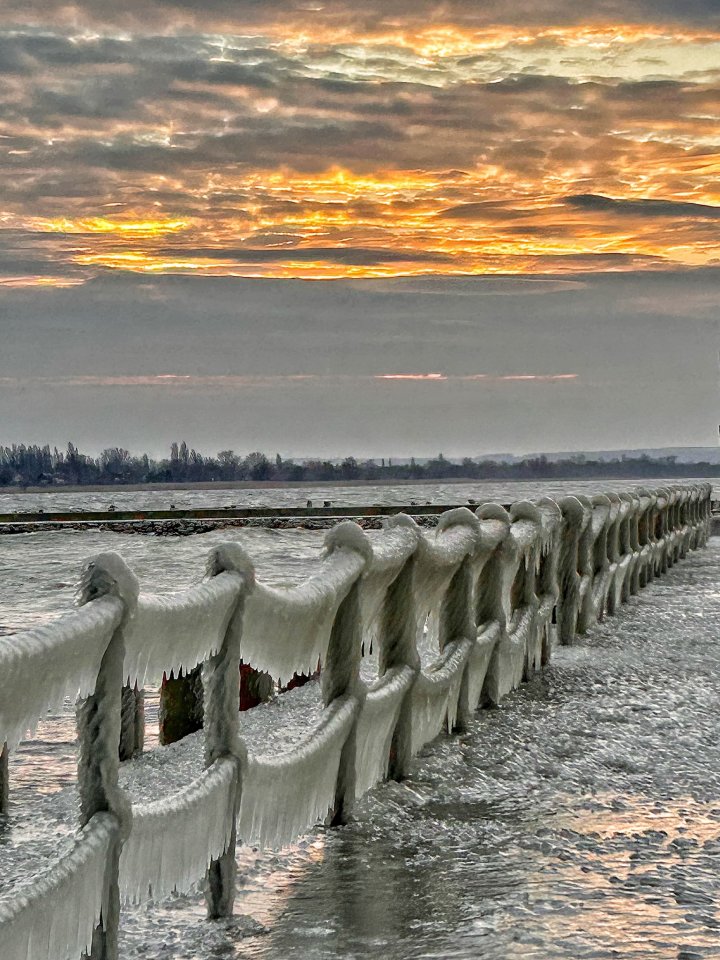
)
(286, 630)
(40, 668)
(479, 661)
(505, 671)
(376, 725)
(399, 541)
(53, 917)
(179, 630)
(438, 557)
(174, 839)
(435, 695)
(282, 796)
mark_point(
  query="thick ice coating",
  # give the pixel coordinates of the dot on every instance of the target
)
(457, 618)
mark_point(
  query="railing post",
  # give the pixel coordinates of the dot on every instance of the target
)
(601, 559)
(398, 648)
(586, 568)
(493, 593)
(221, 687)
(613, 549)
(548, 578)
(528, 571)
(4, 781)
(181, 705)
(98, 723)
(569, 603)
(457, 612)
(340, 675)
(132, 722)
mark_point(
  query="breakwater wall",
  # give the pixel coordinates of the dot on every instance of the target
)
(186, 522)
(414, 630)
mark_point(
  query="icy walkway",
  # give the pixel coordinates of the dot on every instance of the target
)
(580, 819)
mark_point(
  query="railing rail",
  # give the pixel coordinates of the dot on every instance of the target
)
(455, 618)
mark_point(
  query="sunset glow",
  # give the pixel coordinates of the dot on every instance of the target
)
(331, 143)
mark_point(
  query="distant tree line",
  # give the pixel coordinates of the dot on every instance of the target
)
(22, 466)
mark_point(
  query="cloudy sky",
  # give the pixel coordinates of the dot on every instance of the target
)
(379, 228)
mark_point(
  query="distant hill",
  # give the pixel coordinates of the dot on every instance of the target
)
(681, 454)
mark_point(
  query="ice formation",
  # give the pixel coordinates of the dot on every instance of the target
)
(178, 631)
(286, 630)
(435, 695)
(40, 668)
(282, 795)
(457, 617)
(478, 662)
(376, 725)
(53, 916)
(401, 536)
(174, 839)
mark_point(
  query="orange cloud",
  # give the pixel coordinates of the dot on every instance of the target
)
(402, 147)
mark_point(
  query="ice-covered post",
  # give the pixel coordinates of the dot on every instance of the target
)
(631, 545)
(221, 686)
(574, 518)
(457, 617)
(132, 722)
(586, 566)
(705, 513)
(340, 675)
(398, 648)
(4, 780)
(98, 724)
(644, 521)
(683, 520)
(613, 548)
(181, 705)
(601, 562)
(548, 577)
(457, 613)
(528, 512)
(492, 592)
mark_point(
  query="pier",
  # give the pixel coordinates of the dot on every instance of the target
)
(415, 630)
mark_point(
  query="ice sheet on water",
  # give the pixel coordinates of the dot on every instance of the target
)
(178, 631)
(284, 793)
(173, 839)
(40, 668)
(53, 916)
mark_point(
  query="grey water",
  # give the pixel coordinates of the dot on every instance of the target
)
(579, 819)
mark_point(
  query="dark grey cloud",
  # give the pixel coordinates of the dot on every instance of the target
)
(252, 14)
(643, 208)
(366, 256)
(643, 346)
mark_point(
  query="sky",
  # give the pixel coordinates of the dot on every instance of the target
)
(386, 228)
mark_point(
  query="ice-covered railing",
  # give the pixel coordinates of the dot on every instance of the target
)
(414, 630)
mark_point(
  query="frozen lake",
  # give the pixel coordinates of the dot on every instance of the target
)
(581, 819)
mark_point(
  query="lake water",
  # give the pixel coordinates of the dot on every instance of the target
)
(38, 571)
(580, 819)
